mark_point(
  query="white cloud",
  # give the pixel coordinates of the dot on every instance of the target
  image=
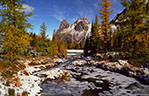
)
(73, 19)
(89, 13)
(59, 15)
(79, 11)
(27, 8)
(95, 5)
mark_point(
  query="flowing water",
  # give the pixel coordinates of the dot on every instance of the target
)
(92, 81)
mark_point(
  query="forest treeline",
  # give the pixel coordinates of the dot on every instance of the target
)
(130, 39)
(17, 41)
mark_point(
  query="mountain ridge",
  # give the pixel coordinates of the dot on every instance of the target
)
(76, 32)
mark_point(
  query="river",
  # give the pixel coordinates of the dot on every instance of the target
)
(92, 81)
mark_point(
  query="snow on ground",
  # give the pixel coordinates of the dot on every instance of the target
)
(26, 81)
(30, 83)
(56, 73)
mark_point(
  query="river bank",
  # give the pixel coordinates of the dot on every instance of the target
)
(78, 77)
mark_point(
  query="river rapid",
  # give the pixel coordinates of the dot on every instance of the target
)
(90, 80)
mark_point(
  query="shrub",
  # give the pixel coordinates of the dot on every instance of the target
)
(9, 68)
(135, 62)
(11, 92)
(116, 56)
(6, 73)
(34, 63)
(25, 93)
(25, 53)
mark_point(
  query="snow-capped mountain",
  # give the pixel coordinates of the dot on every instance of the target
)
(76, 33)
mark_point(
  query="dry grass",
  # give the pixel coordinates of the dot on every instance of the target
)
(8, 68)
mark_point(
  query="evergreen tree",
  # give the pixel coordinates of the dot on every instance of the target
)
(43, 31)
(133, 29)
(87, 47)
(33, 41)
(104, 15)
(95, 36)
(15, 25)
(44, 42)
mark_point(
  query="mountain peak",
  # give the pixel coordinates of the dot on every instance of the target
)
(84, 19)
(77, 32)
(64, 24)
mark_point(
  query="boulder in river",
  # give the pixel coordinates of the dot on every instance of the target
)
(56, 74)
(79, 62)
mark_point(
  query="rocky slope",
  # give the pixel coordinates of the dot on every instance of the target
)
(77, 32)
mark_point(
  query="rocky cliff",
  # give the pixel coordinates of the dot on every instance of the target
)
(77, 32)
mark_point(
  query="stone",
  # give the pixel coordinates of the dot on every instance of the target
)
(146, 70)
(146, 78)
(92, 62)
(56, 74)
(134, 85)
(126, 71)
(79, 62)
(123, 62)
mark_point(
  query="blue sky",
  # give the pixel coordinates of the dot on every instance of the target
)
(52, 12)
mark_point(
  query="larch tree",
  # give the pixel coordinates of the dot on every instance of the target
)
(133, 28)
(63, 48)
(15, 25)
(55, 45)
(105, 12)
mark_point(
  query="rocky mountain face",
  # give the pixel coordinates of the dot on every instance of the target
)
(63, 25)
(76, 33)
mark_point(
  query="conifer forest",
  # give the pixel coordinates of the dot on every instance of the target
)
(95, 48)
